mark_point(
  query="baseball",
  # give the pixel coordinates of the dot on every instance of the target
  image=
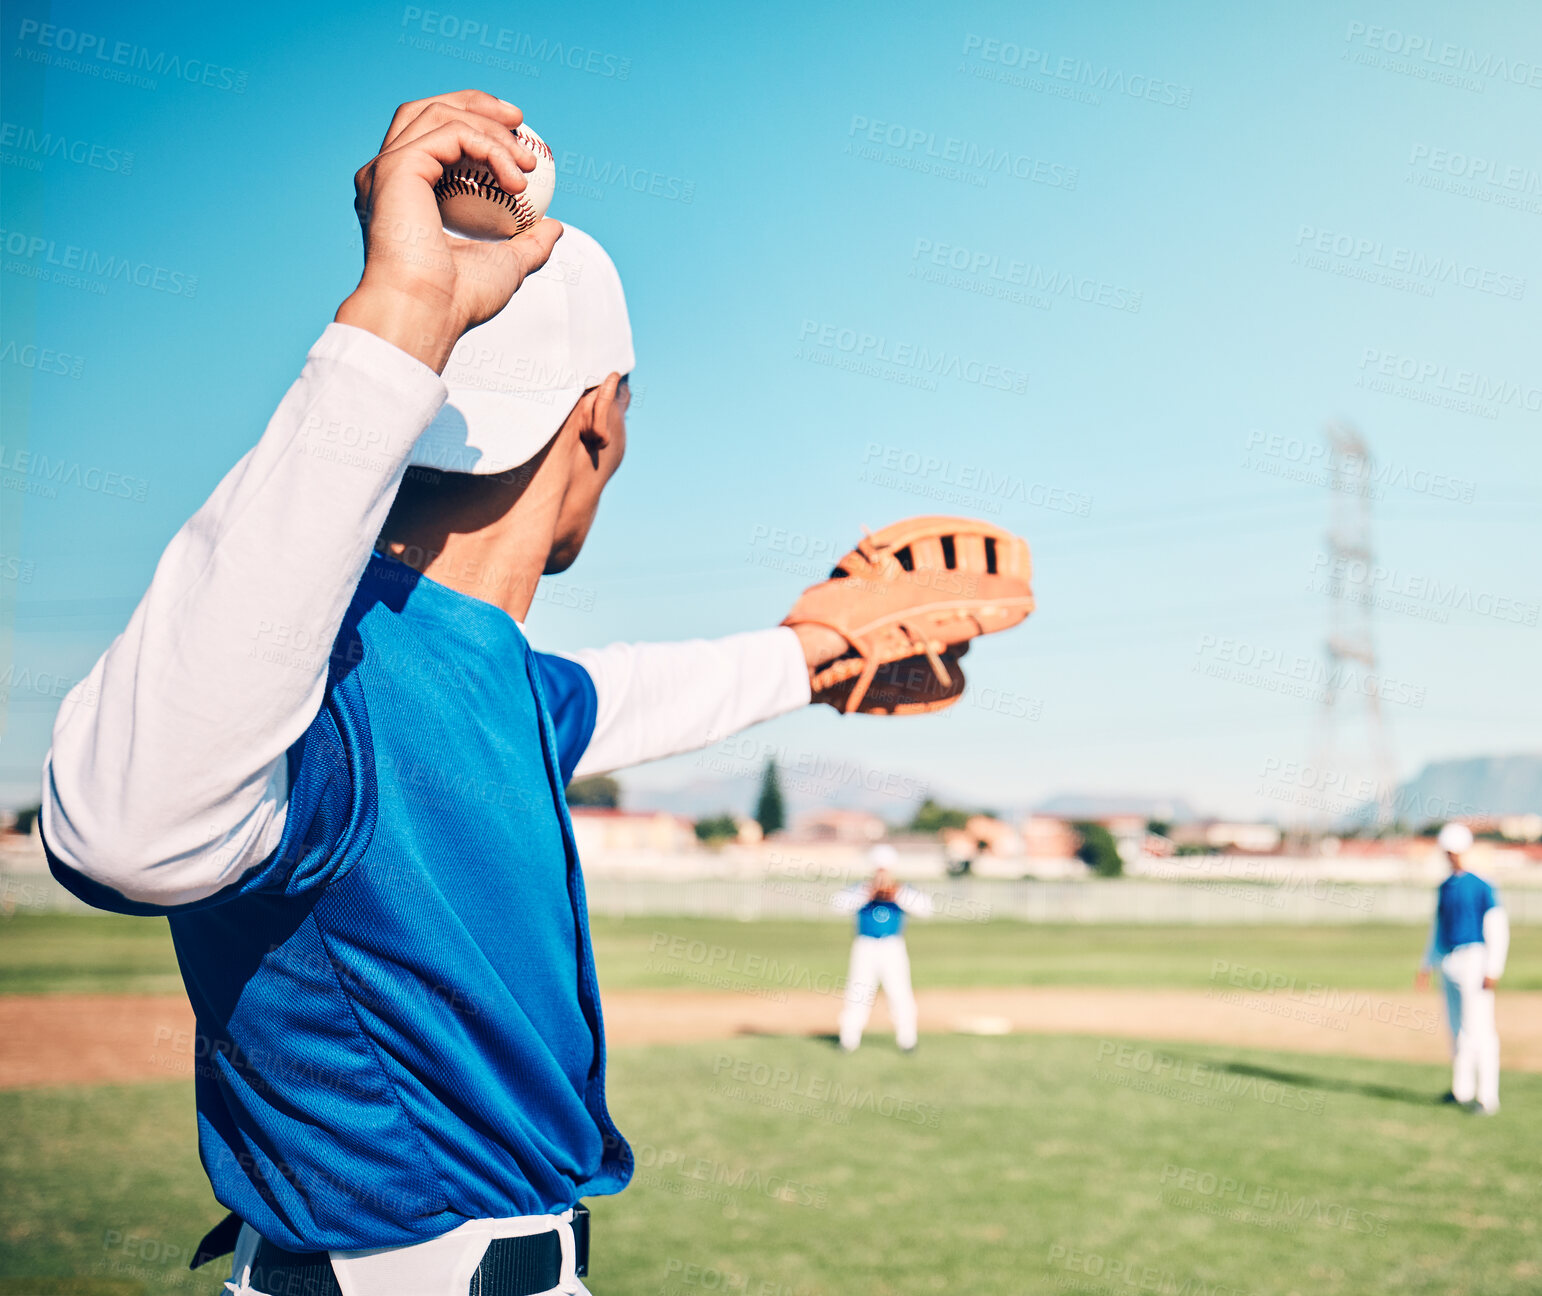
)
(473, 205)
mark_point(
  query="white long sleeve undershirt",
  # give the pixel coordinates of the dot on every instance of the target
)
(167, 776)
(660, 699)
(1496, 943)
(167, 779)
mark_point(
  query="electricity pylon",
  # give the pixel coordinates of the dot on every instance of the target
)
(1351, 641)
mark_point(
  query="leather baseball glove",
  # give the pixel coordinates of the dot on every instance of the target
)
(908, 600)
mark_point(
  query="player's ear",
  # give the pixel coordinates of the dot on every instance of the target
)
(596, 434)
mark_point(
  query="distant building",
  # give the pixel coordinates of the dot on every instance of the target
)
(982, 836)
(1523, 827)
(1223, 835)
(856, 827)
(601, 830)
(992, 837)
(1046, 837)
(1480, 824)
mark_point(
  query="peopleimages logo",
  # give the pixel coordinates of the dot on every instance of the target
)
(1395, 589)
(469, 34)
(1296, 674)
(1076, 71)
(933, 362)
(978, 267)
(1302, 460)
(24, 146)
(103, 57)
(1409, 50)
(1269, 1200)
(1369, 258)
(1446, 386)
(82, 267)
(1477, 168)
(34, 472)
(592, 177)
(44, 360)
(919, 473)
(988, 160)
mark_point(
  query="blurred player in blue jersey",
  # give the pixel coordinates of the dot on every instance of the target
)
(878, 954)
(1468, 942)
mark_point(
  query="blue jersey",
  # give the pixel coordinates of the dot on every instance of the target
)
(880, 918)
(398, 1021)
(1463, 900)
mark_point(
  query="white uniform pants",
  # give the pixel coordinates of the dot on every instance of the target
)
(879, 961)
(1474, 1037)
(443, 1266)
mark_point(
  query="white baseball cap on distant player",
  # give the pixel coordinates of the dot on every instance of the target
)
(883, 856)
(513, 380)
(1455, 838)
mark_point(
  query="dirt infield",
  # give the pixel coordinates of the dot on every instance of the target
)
(96, 1039)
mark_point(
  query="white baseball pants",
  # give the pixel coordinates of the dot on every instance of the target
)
(1474, 1036)
(442, 1266)
(879, 961)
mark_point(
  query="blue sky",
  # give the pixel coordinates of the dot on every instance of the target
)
(1154, 250)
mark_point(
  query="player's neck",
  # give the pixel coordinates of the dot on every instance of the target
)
(490, 539)
(495, 565)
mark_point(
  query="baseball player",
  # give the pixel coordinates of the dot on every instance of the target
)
(878, 954)
(325, 748)
(1469, 941)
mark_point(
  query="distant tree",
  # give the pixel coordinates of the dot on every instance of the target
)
(717, 828)
(770, 812)
(1161, 827)
(933, 818)
(1098, 849)
(26, 818)
(595, 790)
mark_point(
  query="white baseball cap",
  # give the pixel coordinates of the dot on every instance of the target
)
(515, 379)
(883, 856)
(1455, 838)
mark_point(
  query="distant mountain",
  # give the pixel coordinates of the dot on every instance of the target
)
(1099, 805)
(1478, 785)
(851, 787)
(696, 799)
(836, 786)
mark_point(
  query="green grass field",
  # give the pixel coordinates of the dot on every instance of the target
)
(780, 1167)
(1004, 1165)
(96, 954)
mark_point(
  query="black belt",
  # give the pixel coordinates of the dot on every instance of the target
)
(512, 1266)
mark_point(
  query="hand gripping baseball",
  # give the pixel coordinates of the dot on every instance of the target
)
(421, 288)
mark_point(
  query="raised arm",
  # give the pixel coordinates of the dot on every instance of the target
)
(166, 780)
(850, 899)
(660, 699)
(167, 776)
